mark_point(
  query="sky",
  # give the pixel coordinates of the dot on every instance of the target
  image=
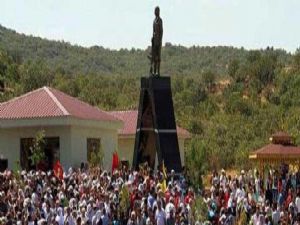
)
(116, 24)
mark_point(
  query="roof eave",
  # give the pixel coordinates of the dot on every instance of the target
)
(34, 122)
(63, 120)
(126, 136)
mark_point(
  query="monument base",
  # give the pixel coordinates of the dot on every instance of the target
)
(156, 133)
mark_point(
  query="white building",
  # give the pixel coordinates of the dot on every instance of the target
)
(73, 129)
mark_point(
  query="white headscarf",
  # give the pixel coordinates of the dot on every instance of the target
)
(60, 217)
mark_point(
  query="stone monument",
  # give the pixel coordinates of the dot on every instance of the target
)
(156, 139)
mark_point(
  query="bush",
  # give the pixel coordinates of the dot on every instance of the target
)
(96, 158)
(199, 210)
(37, 150)
(196, 161)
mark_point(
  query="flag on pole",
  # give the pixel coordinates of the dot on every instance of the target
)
(58, 170)
(164, 181)
(115, 161)
(164, 170)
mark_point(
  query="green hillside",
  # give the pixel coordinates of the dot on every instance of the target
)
(230, 99)
(70, 59)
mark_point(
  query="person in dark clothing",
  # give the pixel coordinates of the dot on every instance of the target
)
(171, 218)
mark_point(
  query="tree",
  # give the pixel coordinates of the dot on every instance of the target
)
(124, 201)
(235, 104)
(266, 68)
(37, 150)
(233, 68)
(199, 210)
(197, 161)
(253, 56)
(8, 70)
(96, 157)
(35, 75)
(199, 94)
(261, 66)
(208, 79)
(296, 60)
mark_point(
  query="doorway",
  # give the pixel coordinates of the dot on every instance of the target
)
(51, 149)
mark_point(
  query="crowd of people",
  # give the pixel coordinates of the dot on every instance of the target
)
(94, 196)
(147, 197)
(252, 198)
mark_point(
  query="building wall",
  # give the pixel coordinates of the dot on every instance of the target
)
(73, 143)
(10, 142)
(126, 148)
(109, 143)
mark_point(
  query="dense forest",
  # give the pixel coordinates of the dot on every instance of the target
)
(230, 99)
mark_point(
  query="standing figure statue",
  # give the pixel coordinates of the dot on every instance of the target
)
(156, 43)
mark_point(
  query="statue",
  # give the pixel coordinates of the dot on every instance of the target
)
(156, 140)
(156, 44)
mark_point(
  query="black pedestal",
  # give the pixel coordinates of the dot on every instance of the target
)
(156, 127)
(3, 164)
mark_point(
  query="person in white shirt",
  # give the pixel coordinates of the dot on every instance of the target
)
(240, 194)
(242, 178)
(275, 215)
(160, 215)
(104, 217)
(215, 179)
(256, 217)
(297, 202)
(60, 216)
(223, 179)
(170, 207)
(69, 218)
(96, 217)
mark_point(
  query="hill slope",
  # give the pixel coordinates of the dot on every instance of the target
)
(73, 59)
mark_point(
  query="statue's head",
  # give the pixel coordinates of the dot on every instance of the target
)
(156, 11)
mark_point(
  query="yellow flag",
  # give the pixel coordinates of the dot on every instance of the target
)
(164, 182)
(164, 170)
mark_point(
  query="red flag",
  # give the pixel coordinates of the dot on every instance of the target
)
(58, 170)
(115, 162)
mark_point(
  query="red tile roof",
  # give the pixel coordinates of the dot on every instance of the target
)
(281, 134)
(278, 149)
(130, 120)
(49, 102)
(281, 138)
(281, 146)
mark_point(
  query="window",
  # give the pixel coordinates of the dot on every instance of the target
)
(51, 149)
(93, 146)
(25, 153)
